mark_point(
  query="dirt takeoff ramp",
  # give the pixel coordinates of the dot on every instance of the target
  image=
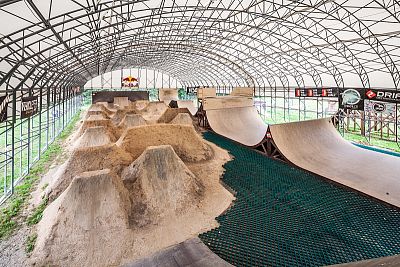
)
(86, 223)
(94, 136)
(160, 184)
(316, 146)
(241, 124)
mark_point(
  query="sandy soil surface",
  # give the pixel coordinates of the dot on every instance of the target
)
(111, 204)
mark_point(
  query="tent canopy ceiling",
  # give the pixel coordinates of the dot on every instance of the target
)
(230, 42)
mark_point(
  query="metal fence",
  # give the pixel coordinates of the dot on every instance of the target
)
(24, 142)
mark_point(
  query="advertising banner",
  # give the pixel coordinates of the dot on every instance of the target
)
(29, 106)
(351, 98)
(130, 82)
(3, 107)
(380, 107)
(389, 96)
(316, 92)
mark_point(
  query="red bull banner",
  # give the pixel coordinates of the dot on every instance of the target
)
(130, 82)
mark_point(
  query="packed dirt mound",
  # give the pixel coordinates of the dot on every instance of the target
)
(170, 114)
(97, 114)
(85, 225)
(153, 111)
(160, 184)
(121, 102)
(109, 108)
(139, 104)
(187, 143)
(120, 115)
(89, 159)
(132, 120)
(96, 121)
(94, 136)
(182, 118)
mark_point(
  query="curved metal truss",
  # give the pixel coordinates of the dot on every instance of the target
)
(52, 44)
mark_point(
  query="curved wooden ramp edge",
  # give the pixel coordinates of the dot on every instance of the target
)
(316, 146)
(241, 124)
(191, 252)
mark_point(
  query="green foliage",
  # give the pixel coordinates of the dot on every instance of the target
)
(30, 243)
(9, 213)
(38, 213)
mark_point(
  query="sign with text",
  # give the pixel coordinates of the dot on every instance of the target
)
(29, 106)
(390, 96)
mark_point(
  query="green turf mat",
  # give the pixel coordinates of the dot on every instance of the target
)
(284, 216)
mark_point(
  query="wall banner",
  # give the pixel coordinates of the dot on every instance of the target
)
(29, 106)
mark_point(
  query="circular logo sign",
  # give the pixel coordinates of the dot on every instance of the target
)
(351, 97)
(379, 107)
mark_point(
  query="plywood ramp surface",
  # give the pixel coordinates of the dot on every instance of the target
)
(206, 92)
(242, 125)
(190, 253)
(242, 91)
(189, 104)
(316, 146)
(222, 102)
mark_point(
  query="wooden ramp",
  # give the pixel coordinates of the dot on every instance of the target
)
(189, 104)
(241, 124)
(316, 146)
(191, 253)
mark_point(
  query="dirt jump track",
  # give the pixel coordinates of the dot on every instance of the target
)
(118, 199)
(315, 146)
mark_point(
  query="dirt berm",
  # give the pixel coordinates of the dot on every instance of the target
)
(187, 143)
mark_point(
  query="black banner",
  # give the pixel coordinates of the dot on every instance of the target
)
(351, 98)
(108, 96)
(316, 92)
(29, 106)
(383, 95)
(3, 107)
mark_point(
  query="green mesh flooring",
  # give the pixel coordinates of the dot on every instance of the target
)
(286, 217)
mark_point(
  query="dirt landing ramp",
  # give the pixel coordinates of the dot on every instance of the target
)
(186, 142)
(242, 125)
(192, 252)
(160, 185)
(153, 111)
(94, 136)
(139, 104)
(89, 159)
(97, 121)
(132, 120)
(120, 115)
(189, 104)
(182, 118)
(85, 224)
(316, 146)
(171, 113)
